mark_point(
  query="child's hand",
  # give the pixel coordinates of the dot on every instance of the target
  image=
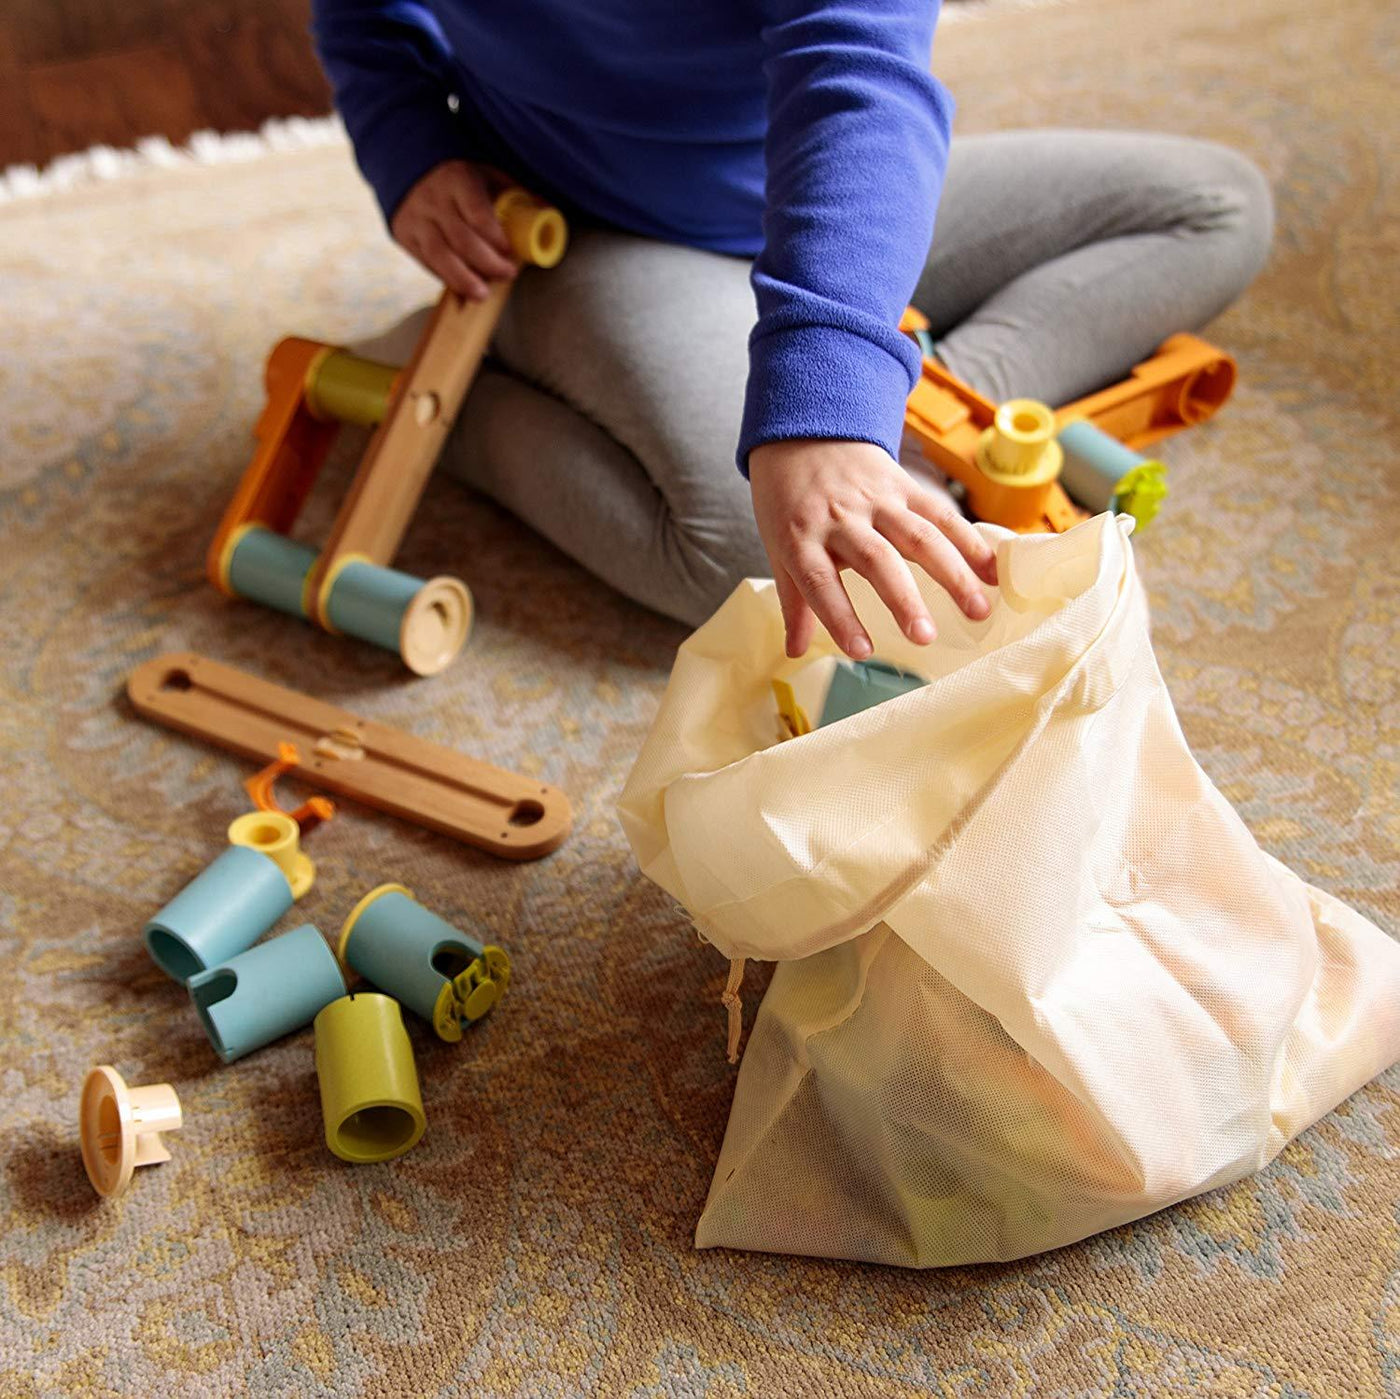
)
(822, 506)
(447, 222)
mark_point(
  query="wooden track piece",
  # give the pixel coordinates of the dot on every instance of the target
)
(509, 815)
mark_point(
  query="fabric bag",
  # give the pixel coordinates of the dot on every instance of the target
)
(1035, 977)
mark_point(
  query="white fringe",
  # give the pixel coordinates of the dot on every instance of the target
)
(102, 164)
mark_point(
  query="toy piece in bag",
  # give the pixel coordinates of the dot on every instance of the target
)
(850, 687)
(860, 685)
(1036, 978)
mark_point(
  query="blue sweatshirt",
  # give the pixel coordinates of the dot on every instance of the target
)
(808, 134)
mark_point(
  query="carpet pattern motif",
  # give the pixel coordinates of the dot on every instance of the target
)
(538, 1241)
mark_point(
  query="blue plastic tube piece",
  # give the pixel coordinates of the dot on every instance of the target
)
(268, 567)
(1094, 464)
(860, 685)
(219, 913)
(267, 992)
(418, 958)
(369, 602)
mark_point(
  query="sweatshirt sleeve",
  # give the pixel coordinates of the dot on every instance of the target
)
(856, 150)
(390, 68)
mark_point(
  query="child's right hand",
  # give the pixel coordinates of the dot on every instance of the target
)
(823, 505)
(448, 223)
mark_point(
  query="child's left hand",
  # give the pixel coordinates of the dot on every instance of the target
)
(822, 506)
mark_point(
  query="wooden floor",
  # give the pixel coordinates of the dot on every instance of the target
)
(78, 73)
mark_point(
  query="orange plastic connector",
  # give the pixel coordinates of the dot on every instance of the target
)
(292, 447)
(309, 814)
(1184, 383)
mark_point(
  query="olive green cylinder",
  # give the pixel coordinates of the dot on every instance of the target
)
(370, 1102)
(344, 388)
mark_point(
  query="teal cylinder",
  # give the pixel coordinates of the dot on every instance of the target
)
(218, 914)
(369, 602)
(435, 969)
(1094, 464)
(266, 992)
(268, 567)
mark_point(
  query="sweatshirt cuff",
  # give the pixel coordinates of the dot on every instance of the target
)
(401, 144)
(821, 381)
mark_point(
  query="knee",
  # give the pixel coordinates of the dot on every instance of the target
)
(711, 557)
(1235, 204)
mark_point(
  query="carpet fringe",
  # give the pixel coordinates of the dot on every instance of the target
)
(104, 164)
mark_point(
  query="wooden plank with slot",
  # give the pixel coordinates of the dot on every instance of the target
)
(509, 815)
(399, 459)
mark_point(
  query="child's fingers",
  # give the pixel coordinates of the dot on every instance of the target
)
(471, 201)
(815, 574)
(475, 251)
(920, 542)
(950, 521)
(876, 559)
(798, 620)
(439, 259)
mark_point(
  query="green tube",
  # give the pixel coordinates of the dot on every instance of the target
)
(347, 389)
(370, 1102)
(369, 602)
(268, 567)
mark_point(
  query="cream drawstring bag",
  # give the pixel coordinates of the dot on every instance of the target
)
(1035, 977)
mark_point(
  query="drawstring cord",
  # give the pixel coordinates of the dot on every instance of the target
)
(734, 1005)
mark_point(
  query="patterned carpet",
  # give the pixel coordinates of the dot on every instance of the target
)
(538, 1241)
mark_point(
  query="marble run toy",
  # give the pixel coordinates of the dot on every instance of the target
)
(312, 388)
(443, 974)
(1032, 468)
(120, 1128)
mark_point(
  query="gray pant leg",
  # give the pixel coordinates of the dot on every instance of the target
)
(1063, 258)
(612, 429)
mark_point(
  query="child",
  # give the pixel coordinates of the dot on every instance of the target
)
(683, 140)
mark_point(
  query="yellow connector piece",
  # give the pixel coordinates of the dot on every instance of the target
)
(794, 718)
(1019, 449)
(537, 232)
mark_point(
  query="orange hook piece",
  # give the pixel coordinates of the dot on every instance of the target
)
(307, 816)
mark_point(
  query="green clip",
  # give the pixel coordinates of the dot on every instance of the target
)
(472, 993)
(1141, 492)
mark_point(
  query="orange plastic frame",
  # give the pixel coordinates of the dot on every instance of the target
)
(1184, 383)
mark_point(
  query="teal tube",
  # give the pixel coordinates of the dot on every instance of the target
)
(369, 602)
(435, 969)
(860, 685)
(267, 992)
(219, 913)
(1094, 465)
(268, 567)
